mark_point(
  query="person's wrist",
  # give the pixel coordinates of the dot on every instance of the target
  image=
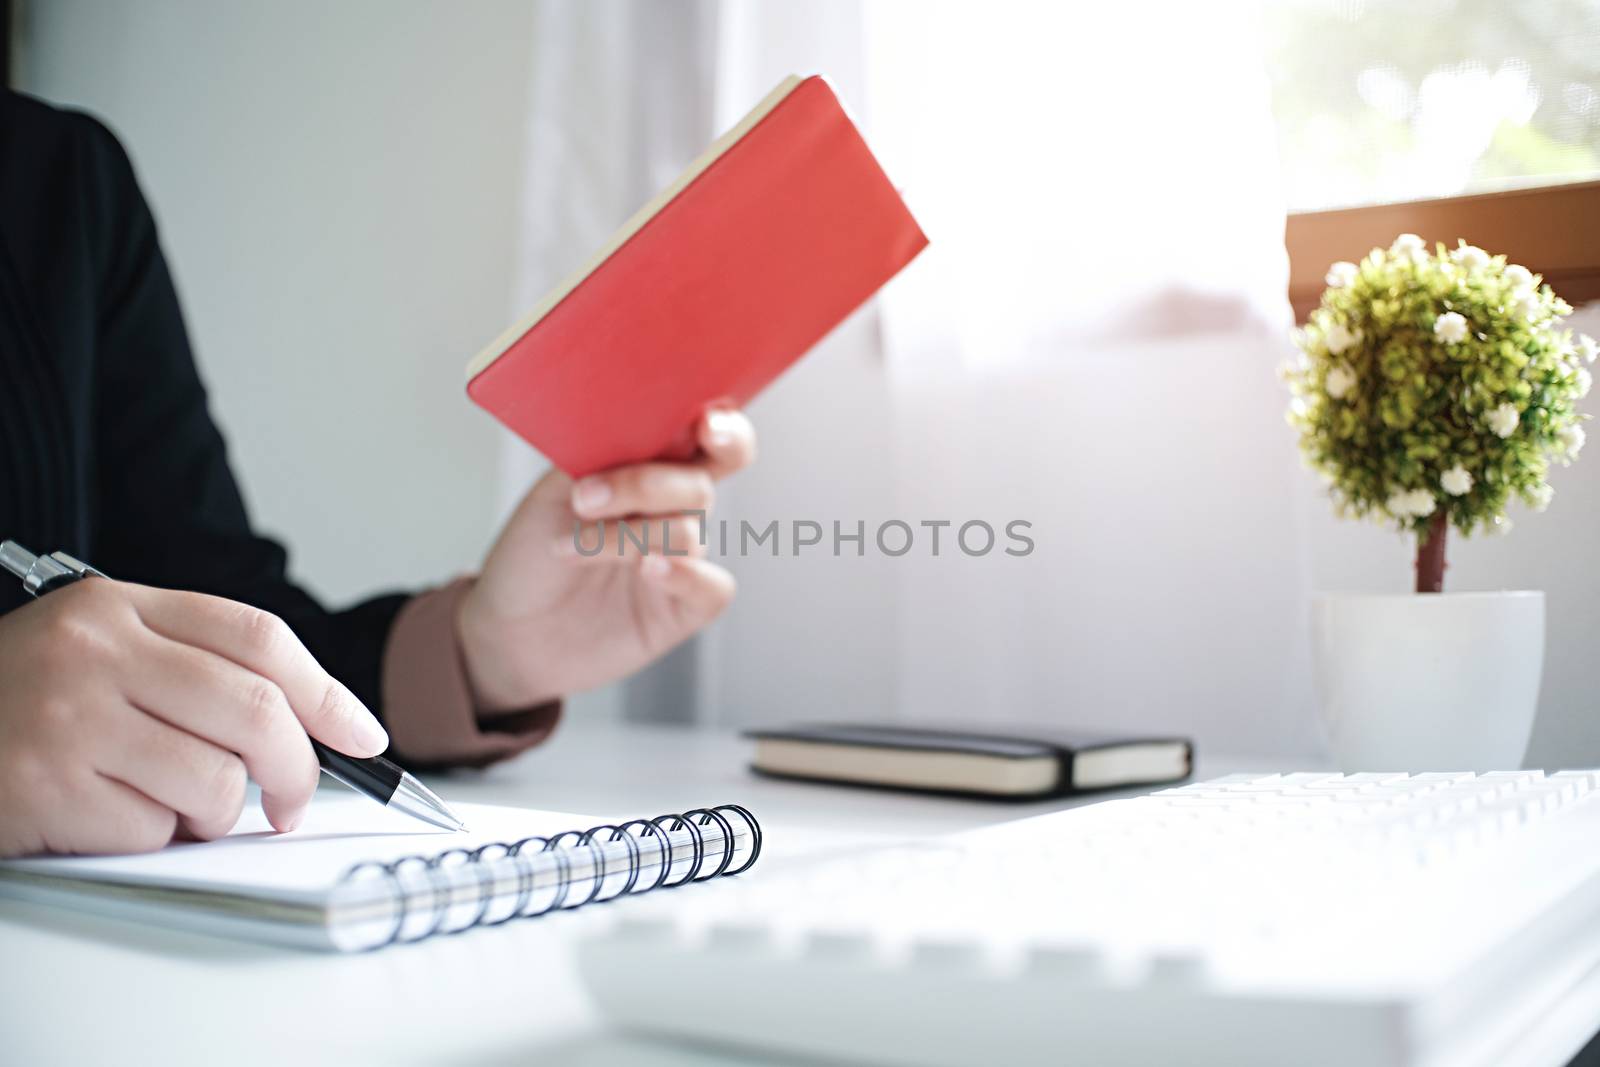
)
(497, 672)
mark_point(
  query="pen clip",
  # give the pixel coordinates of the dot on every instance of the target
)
(37, 572)
(74, 565)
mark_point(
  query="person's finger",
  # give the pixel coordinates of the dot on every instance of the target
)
(236, 709)
(701, 589)
(728, 439)
(202, 782)
(262, 643)
(643, 489)
(683, 537)
(111, 816)
(626, 540)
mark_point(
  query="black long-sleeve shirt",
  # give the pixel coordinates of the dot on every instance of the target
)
(107, 450)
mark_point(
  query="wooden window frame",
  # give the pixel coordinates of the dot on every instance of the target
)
(1553, 230)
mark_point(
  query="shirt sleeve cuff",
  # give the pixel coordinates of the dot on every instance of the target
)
(427, 700)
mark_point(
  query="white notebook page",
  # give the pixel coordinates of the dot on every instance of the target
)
(340, 830)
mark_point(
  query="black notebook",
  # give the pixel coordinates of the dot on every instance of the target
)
(1015, 763)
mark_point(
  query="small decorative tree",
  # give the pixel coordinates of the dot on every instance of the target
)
(1432, 388)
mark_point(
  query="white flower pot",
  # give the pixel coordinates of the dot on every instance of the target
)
(1428, 682)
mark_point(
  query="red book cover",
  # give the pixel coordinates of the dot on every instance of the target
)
(769, 240)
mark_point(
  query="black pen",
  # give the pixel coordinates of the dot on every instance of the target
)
(377, 778)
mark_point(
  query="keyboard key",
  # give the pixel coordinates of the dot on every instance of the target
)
(1565, 790)
(1513, 779)
(646, 928)
(1584, 780)
(1224, 800)
(1338, 784)
(1447, 777)
(839, 946)
(1308, 798)
(739, 937)
(947, 953)
(1079, 961)
(1177, 967)
(1485, 790)
(1302, 778)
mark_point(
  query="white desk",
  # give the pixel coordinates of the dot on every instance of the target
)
(79, 989)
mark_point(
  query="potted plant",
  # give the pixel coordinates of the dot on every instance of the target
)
(1431, 390)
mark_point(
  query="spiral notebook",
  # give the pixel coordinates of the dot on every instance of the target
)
(355, 878)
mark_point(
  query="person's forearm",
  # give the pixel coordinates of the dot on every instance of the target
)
(428, 704)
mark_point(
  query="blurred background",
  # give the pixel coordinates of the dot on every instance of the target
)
(1129, 208)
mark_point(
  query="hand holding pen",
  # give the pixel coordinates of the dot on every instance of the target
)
(131, 713)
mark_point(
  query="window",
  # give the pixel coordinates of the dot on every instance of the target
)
(1472, 119)
(1382, 101)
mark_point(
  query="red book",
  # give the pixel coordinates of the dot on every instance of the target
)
(769, 240)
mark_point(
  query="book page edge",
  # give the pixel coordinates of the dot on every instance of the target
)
(908, 768)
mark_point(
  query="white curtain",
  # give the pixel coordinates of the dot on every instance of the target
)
(1091, 346)
(1088, 345)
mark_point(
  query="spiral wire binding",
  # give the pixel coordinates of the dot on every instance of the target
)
(423, 894)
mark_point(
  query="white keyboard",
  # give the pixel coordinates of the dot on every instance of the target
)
(1369, 919)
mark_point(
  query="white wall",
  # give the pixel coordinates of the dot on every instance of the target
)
(337, 189)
